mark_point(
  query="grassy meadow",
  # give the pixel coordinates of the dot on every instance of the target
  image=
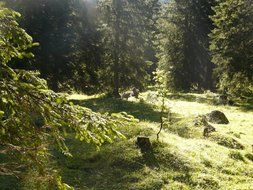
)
(182, 159)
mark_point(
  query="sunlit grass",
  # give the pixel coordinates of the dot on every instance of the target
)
(183, 159)
(75, 96)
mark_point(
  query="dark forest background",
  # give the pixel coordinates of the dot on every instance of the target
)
(109, 45)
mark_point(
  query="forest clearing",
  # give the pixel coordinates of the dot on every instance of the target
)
(182, 159)
(126, 95)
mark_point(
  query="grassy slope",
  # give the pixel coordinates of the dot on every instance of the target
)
(183, 159)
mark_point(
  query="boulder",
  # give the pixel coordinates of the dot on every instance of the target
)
(134, 93)
(217, 117)
(226, 140)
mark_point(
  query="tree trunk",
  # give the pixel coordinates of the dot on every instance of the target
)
(117, 7)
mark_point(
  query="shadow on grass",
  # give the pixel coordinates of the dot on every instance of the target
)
(139, 110)
(189, 98)
(246, 107)
(150, 159)
(115, 166)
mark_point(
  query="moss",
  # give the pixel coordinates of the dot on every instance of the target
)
(236, 155)
(185, 128)
(226, 140)
(249, 156)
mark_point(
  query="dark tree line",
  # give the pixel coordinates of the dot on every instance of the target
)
(111, 45)
(90, 50)
(69, 51)
(183, 44)
(207, 45)
(128, 27)
(232, 46)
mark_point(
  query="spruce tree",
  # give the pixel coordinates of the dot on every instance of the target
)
(127, 30)
(183, 44)
(232, 46)
(69, 53)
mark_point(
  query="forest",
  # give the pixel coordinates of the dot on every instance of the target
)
(126, 94)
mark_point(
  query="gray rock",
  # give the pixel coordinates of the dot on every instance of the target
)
(134, 93)
(217, 117)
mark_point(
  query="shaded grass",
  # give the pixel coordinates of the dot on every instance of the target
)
(140, 110)
(122, 166)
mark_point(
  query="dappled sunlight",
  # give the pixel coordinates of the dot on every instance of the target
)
(126, 95)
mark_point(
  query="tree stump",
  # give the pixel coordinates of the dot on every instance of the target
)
(144, 144)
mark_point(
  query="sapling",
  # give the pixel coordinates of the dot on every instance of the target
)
(162, 90)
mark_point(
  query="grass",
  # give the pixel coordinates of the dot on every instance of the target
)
(139, 109)
(182, 159)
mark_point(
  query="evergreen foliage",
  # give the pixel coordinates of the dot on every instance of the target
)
(34, 118)
(183, 44)
(232, 46)
(69, 53)
(127, 28)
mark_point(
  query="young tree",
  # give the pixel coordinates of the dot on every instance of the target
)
(126, 27)
(232, 46)
(161, 87)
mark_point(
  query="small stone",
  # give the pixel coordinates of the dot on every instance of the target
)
(208, 129)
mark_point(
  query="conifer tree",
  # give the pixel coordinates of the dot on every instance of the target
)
(127, 30)
(183, 44)
(232, 46)
(69, 53)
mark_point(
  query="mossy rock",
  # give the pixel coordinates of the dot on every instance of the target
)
(226, 140)
(217, 117)
(236, 155)
(185, 128)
